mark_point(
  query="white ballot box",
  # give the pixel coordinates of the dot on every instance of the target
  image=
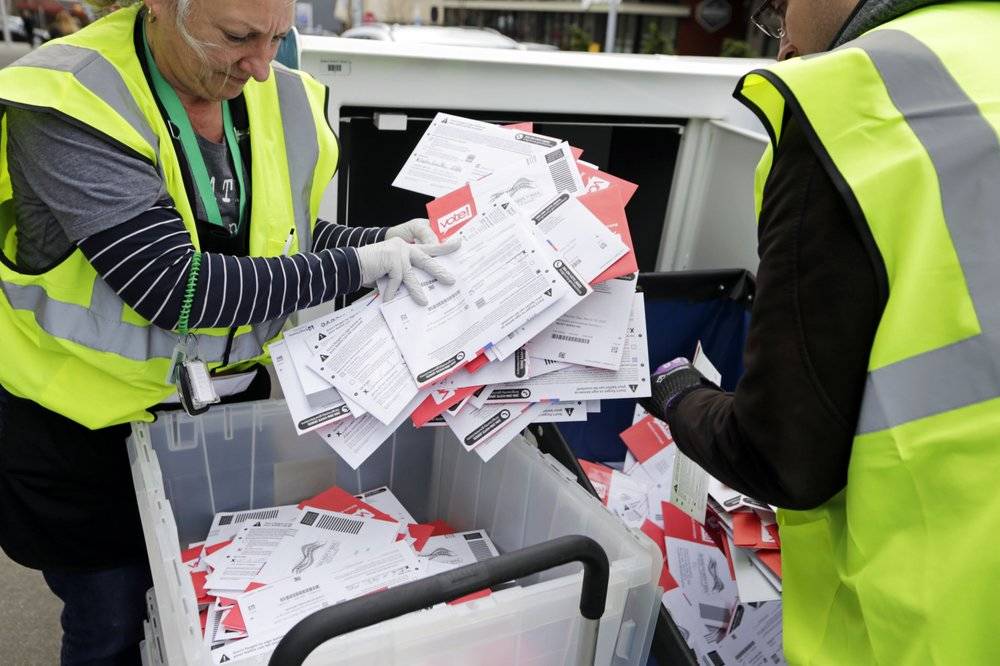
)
(248, 456)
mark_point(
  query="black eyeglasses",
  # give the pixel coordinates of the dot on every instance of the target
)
(769, 18)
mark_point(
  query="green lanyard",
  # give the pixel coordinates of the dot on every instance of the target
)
(179, 122)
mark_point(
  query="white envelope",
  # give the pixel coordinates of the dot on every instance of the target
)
(305, 416)
(277, 608)
(562, 412)
(323, 540)
(450, 551)
(356, 439)
(514, 368)
(579, 382)
(455, 151)
(504, 278)
(474, 426)
(366, 367)
(577, 236)
(385, 501)
(593, 332)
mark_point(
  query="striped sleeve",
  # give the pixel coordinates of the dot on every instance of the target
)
(330, 235)
(148, 259)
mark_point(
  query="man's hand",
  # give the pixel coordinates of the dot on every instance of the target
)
(397, 258)
(670, 383)
(414, 231)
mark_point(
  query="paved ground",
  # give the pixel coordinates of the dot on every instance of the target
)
(29, 618)
(11, 52)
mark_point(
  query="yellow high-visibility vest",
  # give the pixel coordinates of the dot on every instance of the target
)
(69, 342)
(903, 566)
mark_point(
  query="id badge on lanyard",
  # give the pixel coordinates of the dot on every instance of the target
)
(187, 371)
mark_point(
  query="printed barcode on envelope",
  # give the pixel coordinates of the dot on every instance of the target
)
(570, 338)
(562, 176)
(263, 514)
(339, 524)
(480, 550)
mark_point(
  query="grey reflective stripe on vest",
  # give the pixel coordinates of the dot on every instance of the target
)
(965, 152)
(301, 148)
(100, 327)
(96, 74)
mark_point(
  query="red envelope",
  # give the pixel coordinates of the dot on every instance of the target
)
(729, 557)
(451, 212)
(198, 581)
(771, 559)
(191, 555)
(647, 438)
(607, 206)
(679, 525)
(218, 546)
(748, 532)
(477, 364)
(428, 409)
(600, 478)
(233, 620)
(746, 529)
(441, 528)
(481, 594)
(595, 180)
(654, 532)
(667, 581)
(521, 127)
(341, 501)
(421, 533)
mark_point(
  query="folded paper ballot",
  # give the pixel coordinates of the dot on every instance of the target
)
(271, 567)
(543, 321)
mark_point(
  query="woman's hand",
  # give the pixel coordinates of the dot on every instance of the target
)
(396, 258)
(414, 231)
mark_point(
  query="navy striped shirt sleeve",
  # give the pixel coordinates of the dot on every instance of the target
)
(148, 259)
(329, 235)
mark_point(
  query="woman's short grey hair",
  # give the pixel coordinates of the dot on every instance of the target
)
(182, 10)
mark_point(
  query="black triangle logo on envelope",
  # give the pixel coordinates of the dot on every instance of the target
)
(633, 387)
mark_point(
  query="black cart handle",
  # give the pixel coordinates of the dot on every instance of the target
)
(355, 614)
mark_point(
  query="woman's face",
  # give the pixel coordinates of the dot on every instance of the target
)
(239, 38)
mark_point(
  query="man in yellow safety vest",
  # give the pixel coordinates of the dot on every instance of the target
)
(870, 406)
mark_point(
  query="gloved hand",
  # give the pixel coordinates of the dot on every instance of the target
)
(414, 231)
(670, 383)
(396, 258)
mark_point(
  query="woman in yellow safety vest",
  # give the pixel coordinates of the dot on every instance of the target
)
(160, 183)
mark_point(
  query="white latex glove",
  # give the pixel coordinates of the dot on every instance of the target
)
(396, 258)
(414, 231)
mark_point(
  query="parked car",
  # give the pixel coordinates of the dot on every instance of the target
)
(432, 34)
(19, 34)
(16, 26)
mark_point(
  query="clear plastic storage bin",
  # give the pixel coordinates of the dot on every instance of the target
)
(248, 456)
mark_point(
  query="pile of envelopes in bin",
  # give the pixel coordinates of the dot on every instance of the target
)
(543, 322)
(261, 571)
(721, 549)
